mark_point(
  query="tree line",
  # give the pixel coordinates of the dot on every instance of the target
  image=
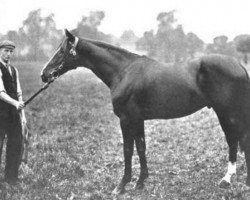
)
(171, 44)
(38, 37)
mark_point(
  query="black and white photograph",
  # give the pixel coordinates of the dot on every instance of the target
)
(124, 100)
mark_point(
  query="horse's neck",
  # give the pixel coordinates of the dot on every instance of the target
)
(107, 62)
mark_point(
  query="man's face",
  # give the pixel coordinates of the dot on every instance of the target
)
(6, 53)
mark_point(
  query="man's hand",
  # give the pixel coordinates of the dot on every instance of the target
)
(24, 120)
(19, 105)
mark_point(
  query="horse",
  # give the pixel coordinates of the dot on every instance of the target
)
(144, 89)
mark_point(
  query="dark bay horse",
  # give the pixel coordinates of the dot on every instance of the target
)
(144, 89)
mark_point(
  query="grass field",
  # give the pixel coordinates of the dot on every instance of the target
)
(76, 151)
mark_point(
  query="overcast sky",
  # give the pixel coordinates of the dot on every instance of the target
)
(206, 18)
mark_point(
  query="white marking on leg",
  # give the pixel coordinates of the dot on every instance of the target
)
(231, 170)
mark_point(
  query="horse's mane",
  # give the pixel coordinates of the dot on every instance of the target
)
(113, 49)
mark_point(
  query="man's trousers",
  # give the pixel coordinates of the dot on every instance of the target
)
(12, 130)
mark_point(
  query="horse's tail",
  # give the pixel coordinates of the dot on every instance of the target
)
(245, 70)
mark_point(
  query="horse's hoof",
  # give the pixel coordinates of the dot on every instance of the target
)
(224, 184)
(118, 190)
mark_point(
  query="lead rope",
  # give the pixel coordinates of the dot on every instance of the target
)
(45, 86)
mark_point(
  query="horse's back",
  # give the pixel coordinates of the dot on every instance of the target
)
(174, 90)
(180, 89)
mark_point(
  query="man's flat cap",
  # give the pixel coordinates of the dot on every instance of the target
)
(7, 44)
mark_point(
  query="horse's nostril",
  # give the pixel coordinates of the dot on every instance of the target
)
(55, 74)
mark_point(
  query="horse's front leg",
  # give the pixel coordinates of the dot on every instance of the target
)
(141, 150)
(128, 149)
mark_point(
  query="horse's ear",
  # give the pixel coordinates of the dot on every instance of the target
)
(70, 36)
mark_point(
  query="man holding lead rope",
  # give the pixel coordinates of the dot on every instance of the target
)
(12, 115)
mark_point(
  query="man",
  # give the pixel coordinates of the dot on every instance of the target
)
(11, 112)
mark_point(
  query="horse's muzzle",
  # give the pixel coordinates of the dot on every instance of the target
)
(44, 78)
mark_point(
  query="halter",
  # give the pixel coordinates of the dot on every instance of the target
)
(72, 51)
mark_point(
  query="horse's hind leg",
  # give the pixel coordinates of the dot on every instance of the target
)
(231, 127)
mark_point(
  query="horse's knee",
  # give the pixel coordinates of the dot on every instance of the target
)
(141, 152)
(128, 153)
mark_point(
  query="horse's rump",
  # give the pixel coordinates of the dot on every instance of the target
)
(222, 81)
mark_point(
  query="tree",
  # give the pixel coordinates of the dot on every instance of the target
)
(166, 21)
(147, 43)
(170, 43)
(171, 39)
(179, 45)
(242, 43)
(88, 27)
(128, 37)
(39, 35)
(221, 46)
(194, 44)
(164, 36)
(31, 34)
(52, 36)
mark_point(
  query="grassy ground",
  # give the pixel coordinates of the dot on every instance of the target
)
(76, 150)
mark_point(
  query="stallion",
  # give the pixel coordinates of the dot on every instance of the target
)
(144, 89)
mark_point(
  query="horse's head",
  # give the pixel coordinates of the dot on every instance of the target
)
(64, 59)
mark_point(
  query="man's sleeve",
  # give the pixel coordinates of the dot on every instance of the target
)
(2, 89)
(19, 89)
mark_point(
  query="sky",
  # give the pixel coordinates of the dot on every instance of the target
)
(206, 18)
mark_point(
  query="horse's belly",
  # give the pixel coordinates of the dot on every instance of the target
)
(173, 105)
